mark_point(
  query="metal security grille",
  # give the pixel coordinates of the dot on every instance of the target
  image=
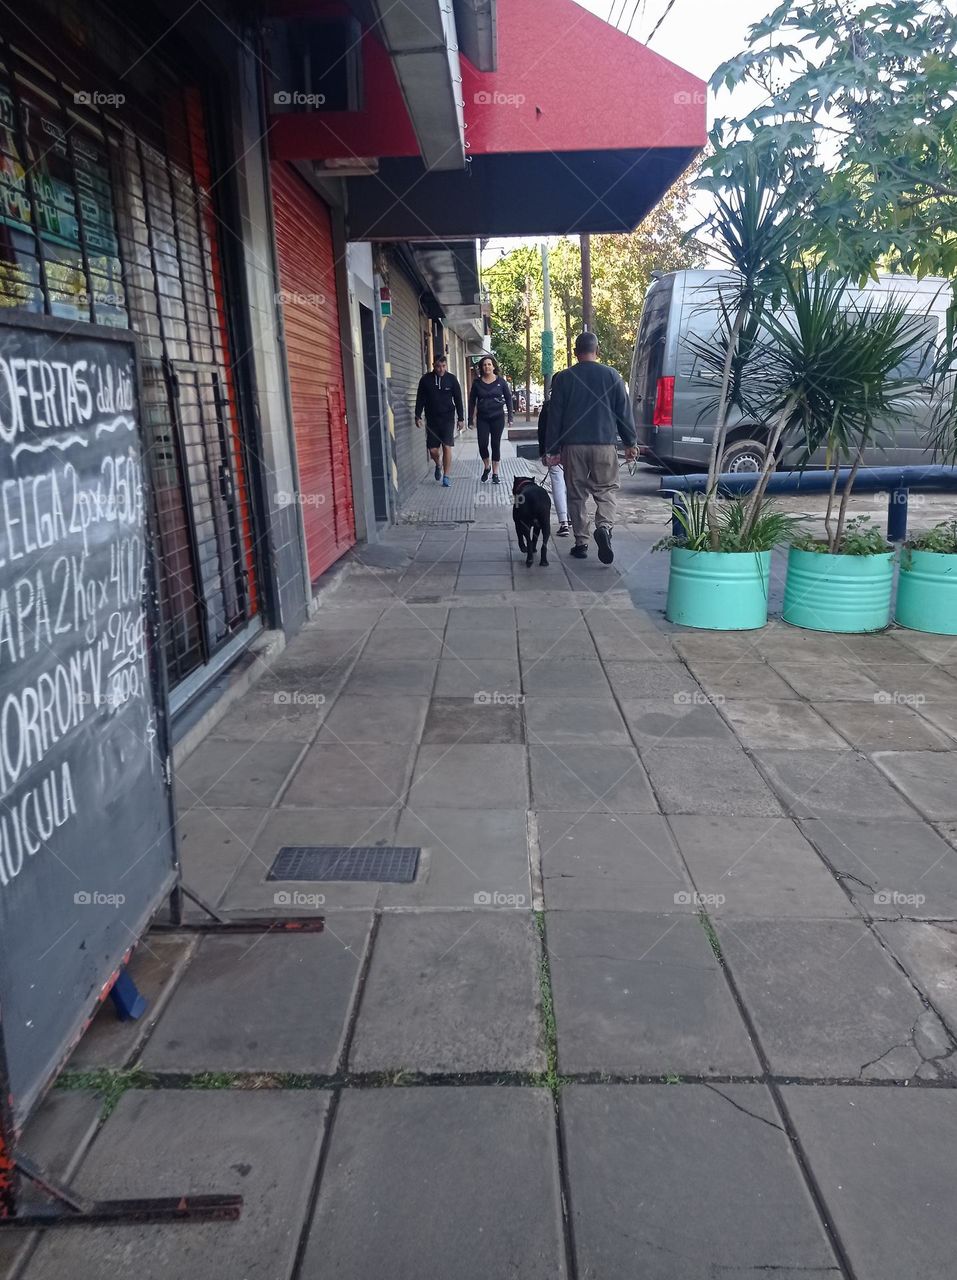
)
(109, 223)
(379, 863)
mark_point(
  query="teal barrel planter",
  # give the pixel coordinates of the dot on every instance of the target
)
(838, 593)
(719, 590)
(927, 592)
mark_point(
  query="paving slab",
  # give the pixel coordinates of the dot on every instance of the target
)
(650, 1191)
(402, 614)
(927, 779)
(250, 891)
(475, 677)
(466, 853)
(907, 681)
(266, 716)
(828, 1002)
(396, 1186)
(942, 716)
(603, 779)
(273, 1003)
(831, 784)
(788, 725)
(883, 726)
(674, 721)
(640, 993)
(573, 642)
(386, 718)
(473, 584)
(890, 868)
(221, 774)
(493, 644)
(739, 678)
(586, 722)
(929, 954)
(384, 675)
(595, 860)
(314, 648)
(821, 681)
(761, 868)
(262, 1145)
(467, 618)
(639, 646)
(55, 1137)
(570, 678)
(631, 680)
(716, 779)
(446, 776)
(453, 992)
(398, 643)
(883, 1160)
(452, 720)
(156, 965)
(213, 844)
(342, 776)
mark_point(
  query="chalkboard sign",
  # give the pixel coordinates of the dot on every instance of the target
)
(87, 847)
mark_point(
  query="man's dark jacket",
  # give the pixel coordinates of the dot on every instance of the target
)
(440, 396)
(588, 405)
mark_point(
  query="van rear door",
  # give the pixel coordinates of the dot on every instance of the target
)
(648, 362)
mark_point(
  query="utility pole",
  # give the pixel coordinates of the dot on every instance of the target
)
(528, 348)
(548, 337)
(588, 314)
(568, 328)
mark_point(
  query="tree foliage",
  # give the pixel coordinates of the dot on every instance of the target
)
(866, 94)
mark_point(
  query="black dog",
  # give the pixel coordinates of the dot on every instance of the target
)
(532, 513)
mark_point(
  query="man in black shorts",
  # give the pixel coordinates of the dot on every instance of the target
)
(440, 395)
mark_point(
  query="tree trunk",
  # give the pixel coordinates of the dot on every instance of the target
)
(845, 496)
(721, 425)
(757, 493)
(830, 504)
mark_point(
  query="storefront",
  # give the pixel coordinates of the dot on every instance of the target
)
(311, 324)
(107, 217)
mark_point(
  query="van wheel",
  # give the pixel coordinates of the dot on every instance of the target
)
(744, 456)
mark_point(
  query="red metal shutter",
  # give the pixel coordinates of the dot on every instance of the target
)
(314, 366)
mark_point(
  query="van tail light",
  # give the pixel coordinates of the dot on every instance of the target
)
(664, 403)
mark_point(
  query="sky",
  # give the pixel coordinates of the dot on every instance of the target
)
(696, 34)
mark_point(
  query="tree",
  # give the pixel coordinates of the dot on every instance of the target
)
(514, 282)
(869, 91)
(622, 267)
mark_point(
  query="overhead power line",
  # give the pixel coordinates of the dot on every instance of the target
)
(670, 5)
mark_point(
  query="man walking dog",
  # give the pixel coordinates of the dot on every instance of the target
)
(587, 412)
(440, 395)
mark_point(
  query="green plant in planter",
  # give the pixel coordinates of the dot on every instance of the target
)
(737, 529)
(859, 538)
(942, 539)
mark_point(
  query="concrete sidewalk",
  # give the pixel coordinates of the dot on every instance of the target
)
(683, 929)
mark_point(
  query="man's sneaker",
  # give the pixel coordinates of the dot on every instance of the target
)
(603, 538)
(563, 529)
(579, 551)
(438, 472)
(446, 482)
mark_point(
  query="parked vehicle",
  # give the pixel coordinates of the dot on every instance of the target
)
(674, 404)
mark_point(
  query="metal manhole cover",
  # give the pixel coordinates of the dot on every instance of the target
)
(385, 863)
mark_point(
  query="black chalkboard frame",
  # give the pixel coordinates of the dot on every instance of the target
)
(15, 1111)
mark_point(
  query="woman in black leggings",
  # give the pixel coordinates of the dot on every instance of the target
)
(490, 402)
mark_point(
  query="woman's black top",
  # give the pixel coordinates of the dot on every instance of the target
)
(490, 399)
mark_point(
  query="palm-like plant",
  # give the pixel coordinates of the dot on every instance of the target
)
(835, 377)
(760, 197)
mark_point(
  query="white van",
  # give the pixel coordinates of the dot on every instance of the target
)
(674, 405)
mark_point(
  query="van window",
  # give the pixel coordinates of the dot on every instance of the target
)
(919, 362)
(650, 348)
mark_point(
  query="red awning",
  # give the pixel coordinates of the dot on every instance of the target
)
(580, 128)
